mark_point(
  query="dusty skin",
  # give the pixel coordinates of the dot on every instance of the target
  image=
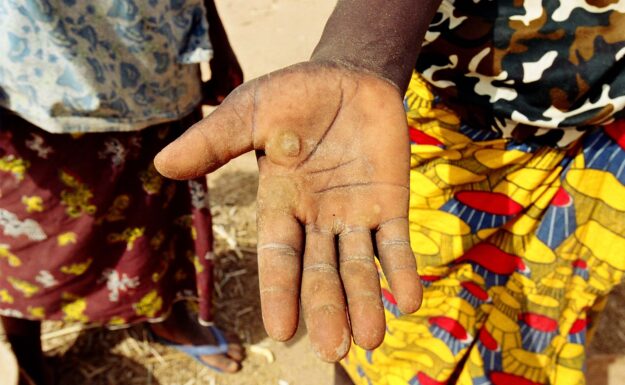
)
(333, 159)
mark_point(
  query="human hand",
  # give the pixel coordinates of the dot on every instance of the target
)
(333, 156)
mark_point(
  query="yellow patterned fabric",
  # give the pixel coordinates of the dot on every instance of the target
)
(516, 245)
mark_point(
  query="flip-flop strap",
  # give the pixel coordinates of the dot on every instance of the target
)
(198, 350)
(219, 336)
(204, 350)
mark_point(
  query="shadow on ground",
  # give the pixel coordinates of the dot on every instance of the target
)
(101, 357)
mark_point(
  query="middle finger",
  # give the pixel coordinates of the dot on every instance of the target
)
(362, 286)
(322, 297)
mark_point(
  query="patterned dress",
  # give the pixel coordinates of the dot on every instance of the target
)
(90, 91)
(90, 232)
(517, 220)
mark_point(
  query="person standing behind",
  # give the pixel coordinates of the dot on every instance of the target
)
(89, 231)
(504, 189)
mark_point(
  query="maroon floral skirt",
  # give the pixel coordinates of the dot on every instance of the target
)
(90, 232)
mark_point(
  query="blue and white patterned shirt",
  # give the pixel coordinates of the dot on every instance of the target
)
(106, 65)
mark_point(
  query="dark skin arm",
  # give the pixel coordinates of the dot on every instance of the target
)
(333, 150)
(382, 37)
(226, 73)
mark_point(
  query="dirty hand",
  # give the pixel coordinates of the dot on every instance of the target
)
(333, 157)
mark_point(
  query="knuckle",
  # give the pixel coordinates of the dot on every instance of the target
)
(355, 231)
(357, 258)
(320, 267)
(279, 248)
(387, 243)
(275, 289)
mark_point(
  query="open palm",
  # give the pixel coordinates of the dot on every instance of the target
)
(333, 157)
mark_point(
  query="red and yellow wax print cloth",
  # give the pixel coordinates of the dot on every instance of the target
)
(516, 245)
(90, 232)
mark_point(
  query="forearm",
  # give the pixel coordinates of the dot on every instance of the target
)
(216, 30)
(379, 36)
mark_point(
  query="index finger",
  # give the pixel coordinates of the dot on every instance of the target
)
(279, 267)
(280, 243)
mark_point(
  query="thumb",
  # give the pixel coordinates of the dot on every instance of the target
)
(209, 144)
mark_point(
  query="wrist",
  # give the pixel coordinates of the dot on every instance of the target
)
(382, 37)
(395, 74)
(355, 67)
(216, 30)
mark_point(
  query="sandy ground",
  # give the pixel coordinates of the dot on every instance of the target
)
(267, 35)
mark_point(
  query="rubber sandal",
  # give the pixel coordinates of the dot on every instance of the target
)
(197, 351)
